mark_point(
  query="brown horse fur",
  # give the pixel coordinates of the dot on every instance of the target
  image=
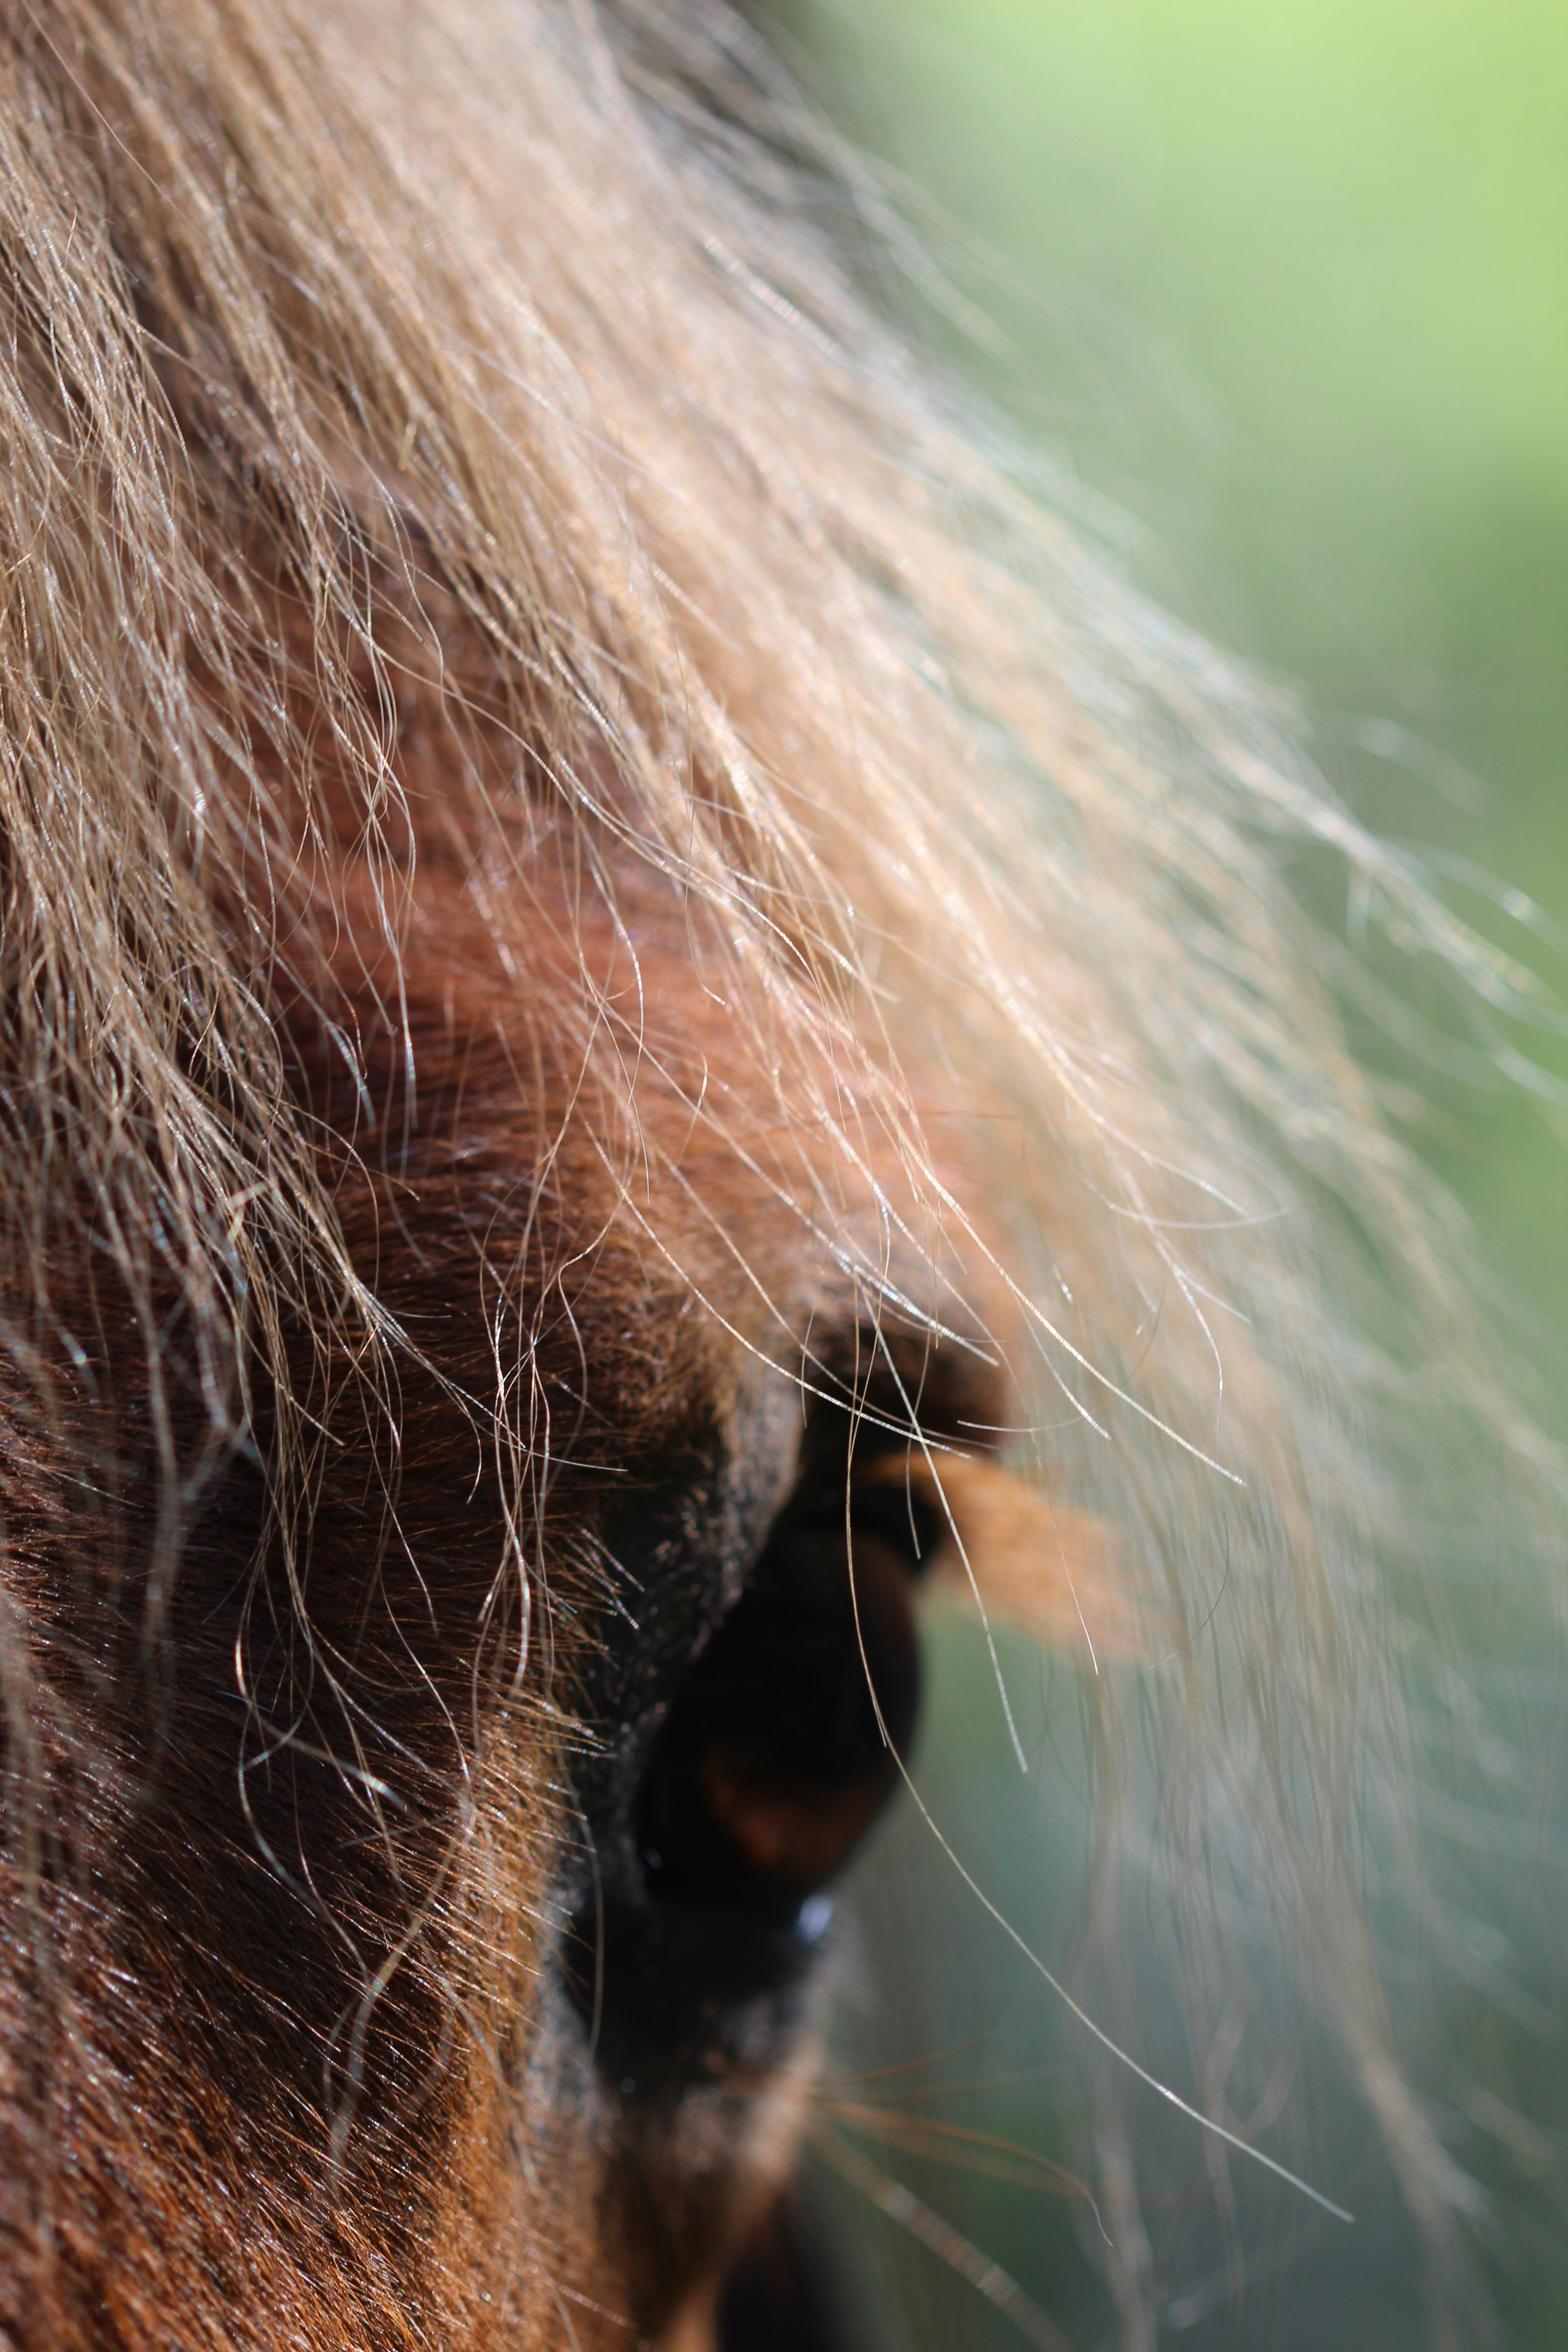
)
(589, 888)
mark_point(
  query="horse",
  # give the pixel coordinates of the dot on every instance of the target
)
(643, 1010)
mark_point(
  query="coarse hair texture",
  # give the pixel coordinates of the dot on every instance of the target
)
(447, 386)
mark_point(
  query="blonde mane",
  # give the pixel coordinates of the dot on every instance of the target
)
(443, 437)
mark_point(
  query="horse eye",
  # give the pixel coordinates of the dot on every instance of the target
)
(689, 1943)
(782, 1744)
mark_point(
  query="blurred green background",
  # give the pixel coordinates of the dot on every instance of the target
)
(1287, 285)
(1282, 293)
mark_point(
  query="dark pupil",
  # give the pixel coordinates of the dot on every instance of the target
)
(772, 1763)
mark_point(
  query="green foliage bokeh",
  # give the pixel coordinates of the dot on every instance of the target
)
(1281, 293)
(1287, 284)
